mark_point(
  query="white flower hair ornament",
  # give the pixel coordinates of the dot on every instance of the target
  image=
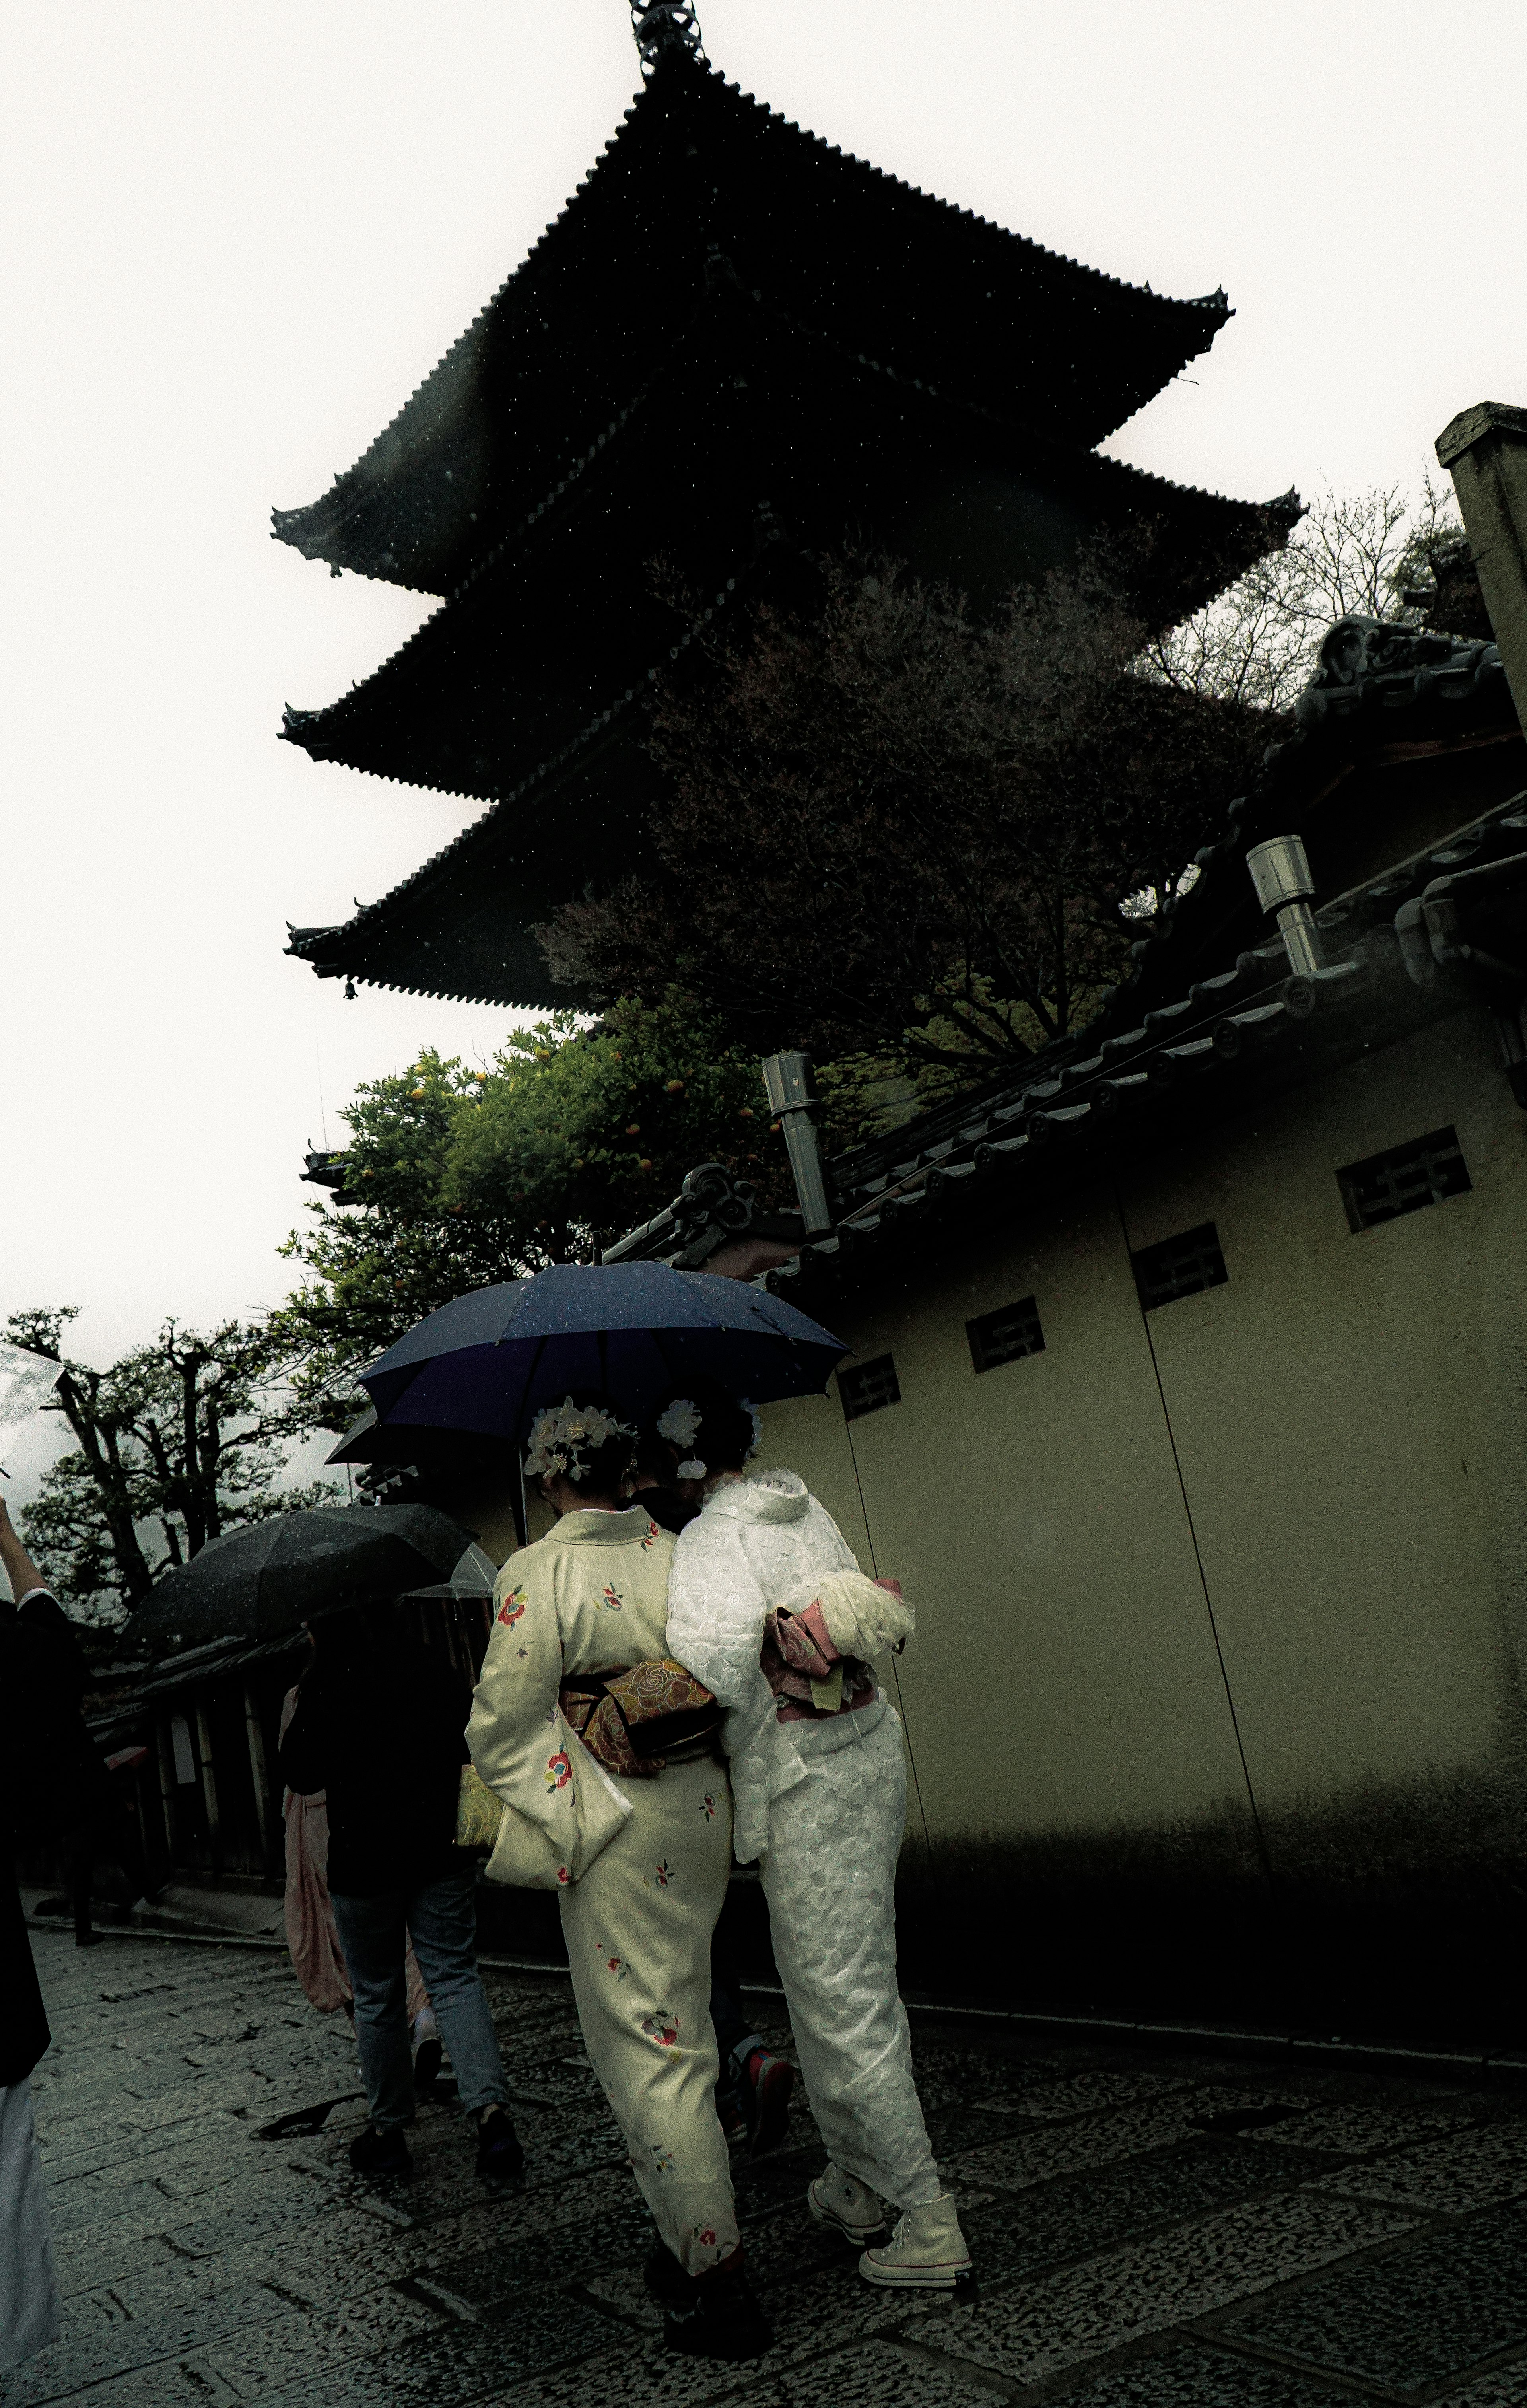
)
(680, 1423)
(562, 1436)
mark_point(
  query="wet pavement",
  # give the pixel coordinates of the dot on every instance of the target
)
(1149, 2233)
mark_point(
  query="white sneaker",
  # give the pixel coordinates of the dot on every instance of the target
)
(926, 2252)
(848, 2205)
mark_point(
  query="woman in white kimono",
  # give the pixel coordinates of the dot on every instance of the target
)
(641, 1857)
(768, 1608)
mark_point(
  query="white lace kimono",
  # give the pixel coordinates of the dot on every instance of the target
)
(822, 1805)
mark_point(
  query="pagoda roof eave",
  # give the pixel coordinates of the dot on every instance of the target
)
(410, 719)
(413, 937)
(940, 293)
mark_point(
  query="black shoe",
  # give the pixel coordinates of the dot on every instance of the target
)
(720, 2317)
(88, 1938)
(766, 2092)
(501, 2160)
(427, 2064)
(381, 2153)
(665, 2277)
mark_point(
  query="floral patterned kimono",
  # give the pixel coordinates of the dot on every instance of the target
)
(820, 1780)
(641, 1865)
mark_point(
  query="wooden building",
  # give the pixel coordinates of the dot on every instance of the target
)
(207, 1799)
(735, 348)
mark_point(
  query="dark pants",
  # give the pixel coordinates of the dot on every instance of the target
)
(109, 1835)
(441, 1918)
(736, 2036)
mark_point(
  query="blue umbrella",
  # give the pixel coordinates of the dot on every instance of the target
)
(639, 1332)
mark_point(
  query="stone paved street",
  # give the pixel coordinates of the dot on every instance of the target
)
(1148, 2231)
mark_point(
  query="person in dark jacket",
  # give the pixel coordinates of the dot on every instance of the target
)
(74, 1800)
(32, 1704)
(379, 1725)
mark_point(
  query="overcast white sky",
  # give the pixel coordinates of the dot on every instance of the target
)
(238, 235)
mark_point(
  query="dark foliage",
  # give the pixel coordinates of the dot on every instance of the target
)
(890, 825)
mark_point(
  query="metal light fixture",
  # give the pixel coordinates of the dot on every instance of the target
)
(1280, 874)
(792, 1097)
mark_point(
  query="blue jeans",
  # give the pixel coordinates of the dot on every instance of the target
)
(373, 1932)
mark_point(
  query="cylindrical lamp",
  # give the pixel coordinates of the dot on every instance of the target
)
(1280, 874)
(792, 1099)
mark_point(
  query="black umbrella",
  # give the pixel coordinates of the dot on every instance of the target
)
(271, 1575)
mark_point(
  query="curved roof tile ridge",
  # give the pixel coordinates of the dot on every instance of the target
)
(1209, 305)
(935, 201)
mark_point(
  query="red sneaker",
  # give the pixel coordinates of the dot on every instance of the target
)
(770, 2082)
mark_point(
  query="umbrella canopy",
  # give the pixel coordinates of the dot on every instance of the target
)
(471, 1582)
(27, 1379)
(271, 1575)
(634, 1331)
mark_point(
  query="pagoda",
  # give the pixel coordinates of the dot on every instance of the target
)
(736, 346)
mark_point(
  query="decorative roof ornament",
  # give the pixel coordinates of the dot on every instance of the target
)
(1367, 662)
(662, 26)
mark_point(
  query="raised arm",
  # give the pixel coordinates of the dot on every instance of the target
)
(17, 1564)
(514, 1704)
(559, 1805)
(716, 1611)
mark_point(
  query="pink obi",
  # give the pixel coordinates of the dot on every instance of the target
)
(808, 1677)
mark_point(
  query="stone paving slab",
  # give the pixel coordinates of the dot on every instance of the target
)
(1424, 2317)
(1364, 2126)
(1467, 2170)
(1040, 2327)
(1148, 2232)
(1506, 2389)
(1197, 2375)
(1031, 2156)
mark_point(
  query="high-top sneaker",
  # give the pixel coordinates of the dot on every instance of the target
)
(927, 2252)
(717, 2316)
(841, 2201)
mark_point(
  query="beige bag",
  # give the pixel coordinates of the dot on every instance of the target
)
(478, 1812)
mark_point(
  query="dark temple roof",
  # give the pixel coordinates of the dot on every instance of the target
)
(525, 689)
(703, 185)
(735, 349)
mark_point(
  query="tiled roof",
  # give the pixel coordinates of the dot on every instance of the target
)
(700, 173)
(1381, 693)
(1208, 1018)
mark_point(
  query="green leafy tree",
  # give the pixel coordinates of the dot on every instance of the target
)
(464, 1177)
(178, 1441)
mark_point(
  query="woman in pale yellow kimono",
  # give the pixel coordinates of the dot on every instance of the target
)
(640, 1862)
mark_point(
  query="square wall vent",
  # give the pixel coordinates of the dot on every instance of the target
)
(1426, 1171)
(1184, 1266)
(1004, 1336)
(868, 1387)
